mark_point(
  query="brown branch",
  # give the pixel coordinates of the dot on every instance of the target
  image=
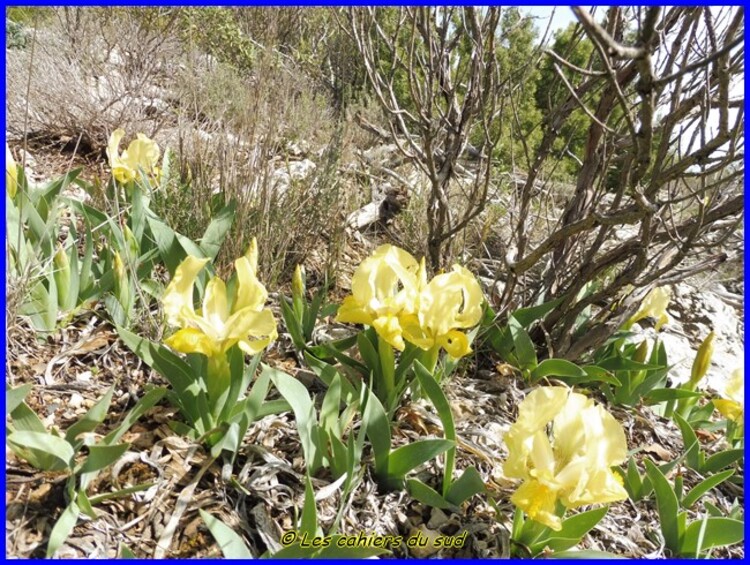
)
(613, 48)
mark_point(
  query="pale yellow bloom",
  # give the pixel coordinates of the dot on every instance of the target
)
(654, 306)
(218, 325)
(384, 289)
(572, 463)
(447, 304)
(732, 406)
(141, 154)
(11, 173)
(390, 292)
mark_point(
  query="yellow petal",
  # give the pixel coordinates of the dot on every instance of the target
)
(215, 307)
(439, 302)
(141, 155)
(735, 387)
(389, 328)
(729, 409)
(122, 172)
(538, 501)
(732, 406)
(178, 298)
(519, 446)
(191, 340)
(615, 450)
(113, 146)
(414, 333)
(450, 301)
(369, 282)
(655, 306)
(568, 434)
(471, 311)
(352, 312)
(600, 486)
(253, 347)
(456, 343)
(422, 275)
(406, 269)
(386, 280)
(457, 298)
(239, 325)
(250, 291)
(542, 457)
(540, 407)
(536, 411)
(252, 255)
(661, 320)
(248, 322)
(144, 152)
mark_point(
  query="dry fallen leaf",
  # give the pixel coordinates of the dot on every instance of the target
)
(659, 451)
(426, 545)
(505, 370)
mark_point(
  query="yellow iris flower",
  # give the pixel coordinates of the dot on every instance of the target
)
(11, 173)
(654, 306)
(573, 463)
(218, 326)
(732, 406)
(390, 292)
(142, 153)
(448, 303)
(384, 289)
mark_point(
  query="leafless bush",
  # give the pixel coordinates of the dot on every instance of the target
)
(659, 187)
(88, 71)
(440, 86)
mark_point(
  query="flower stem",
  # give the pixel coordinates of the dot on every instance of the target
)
(430, 358)
(218, 377)
(387, 370)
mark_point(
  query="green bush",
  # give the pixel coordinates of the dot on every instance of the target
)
(16, 36)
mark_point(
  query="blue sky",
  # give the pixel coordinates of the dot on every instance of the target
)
(563, 15)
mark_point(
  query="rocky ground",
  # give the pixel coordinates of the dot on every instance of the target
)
(72, 368)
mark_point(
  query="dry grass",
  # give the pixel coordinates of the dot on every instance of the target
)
(273, 146)
(86, 72)
(236, 135)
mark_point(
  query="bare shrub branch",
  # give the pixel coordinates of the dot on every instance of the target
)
(662, 162)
